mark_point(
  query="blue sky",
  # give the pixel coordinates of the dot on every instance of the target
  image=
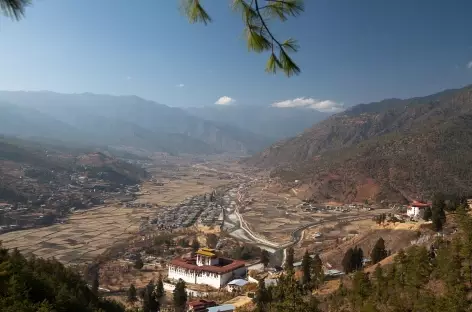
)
(351, 51)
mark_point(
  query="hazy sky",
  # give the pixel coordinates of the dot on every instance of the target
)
(351, 51)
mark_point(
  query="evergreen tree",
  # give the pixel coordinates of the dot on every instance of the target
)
(95, 281)
(150, 300)
(132, 294)
(347, 261)
(427, 214)
(211, 240)
(265, 257)
(438, 215)
(306, 269)
(378, 252)
(289, 260)
(262, 297)
(195, 245)
(317, 271)
(160, 293)
(437, 222)
(180, 296)
(357, 258)
(138, 263)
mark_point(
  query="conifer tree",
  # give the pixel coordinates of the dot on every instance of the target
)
(195, 245)
(289, 260)
(378, 252)
(138, 263)
(265, 257)
(159, 291)
(132, 294)
(317, 271)
(347, 262)
(427, 214)
(262, 297)
(95, 281)
(438, 215)
(306, 269)
(180, 296)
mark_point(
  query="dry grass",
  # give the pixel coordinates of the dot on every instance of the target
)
(85, 236)
(328, 287)
(239, 301)
(396, 237)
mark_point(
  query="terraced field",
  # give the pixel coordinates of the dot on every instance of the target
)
(85, 236)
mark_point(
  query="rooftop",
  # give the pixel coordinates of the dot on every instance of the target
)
(238, 282)
(201, 303)
(226, 265)
(205, 253)
(222, 308)
(416, 203)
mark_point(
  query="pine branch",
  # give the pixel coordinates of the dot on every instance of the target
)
(14, 8)
(288, 66)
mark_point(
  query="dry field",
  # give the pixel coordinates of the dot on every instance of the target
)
(86, 235)
(111, 277)
(396, 237)
(178, 185)
(274, 215)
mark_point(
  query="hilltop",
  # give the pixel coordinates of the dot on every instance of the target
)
(394, 149)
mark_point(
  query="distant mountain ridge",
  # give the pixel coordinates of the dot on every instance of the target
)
(394, 149)
(270, 122)
(119, 121)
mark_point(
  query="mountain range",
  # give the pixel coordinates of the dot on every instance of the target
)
(130, 121)
(270, 122)
(390, 150)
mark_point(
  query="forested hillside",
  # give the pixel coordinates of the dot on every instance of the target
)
(435, 278)
(39, 285)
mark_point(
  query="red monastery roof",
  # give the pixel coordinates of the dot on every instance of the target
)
(416, 203)
(226, 265)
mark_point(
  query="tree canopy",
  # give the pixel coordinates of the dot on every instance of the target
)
(256, 16)
(45, 285)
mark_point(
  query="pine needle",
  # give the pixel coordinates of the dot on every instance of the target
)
(14, 8)
(195, 12)
(288, 65)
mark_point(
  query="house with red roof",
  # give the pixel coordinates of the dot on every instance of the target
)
(200, 305)
(416, 209)
(206, 268)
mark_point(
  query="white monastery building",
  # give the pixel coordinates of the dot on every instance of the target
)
(206, 268)
(416, 209)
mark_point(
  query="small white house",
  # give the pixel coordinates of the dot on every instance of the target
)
(416, 209)
(236, 285)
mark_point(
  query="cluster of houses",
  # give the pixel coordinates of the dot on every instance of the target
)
(196, 209)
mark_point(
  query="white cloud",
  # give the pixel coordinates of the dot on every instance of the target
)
(319, 105)
(180, 85)
(469, 65)
(225, 100)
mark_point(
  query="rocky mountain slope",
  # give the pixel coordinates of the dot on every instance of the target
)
(119, 121)
(394, 149)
